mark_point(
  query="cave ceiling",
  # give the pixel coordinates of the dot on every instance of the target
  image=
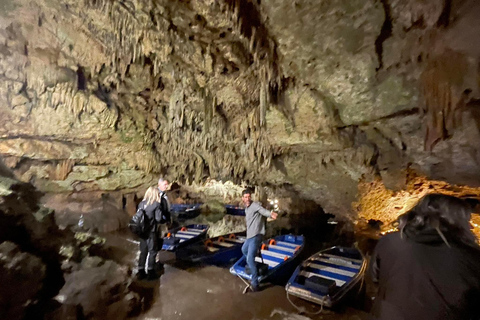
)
(307, 96)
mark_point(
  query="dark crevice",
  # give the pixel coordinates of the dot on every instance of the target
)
(103, 93)
(221, 112)
(81, 79)
(385, 33)
(418, 24)
(444, 18)
(401, 113)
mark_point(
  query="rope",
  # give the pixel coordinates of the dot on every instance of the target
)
(365, 258)
(303, 310)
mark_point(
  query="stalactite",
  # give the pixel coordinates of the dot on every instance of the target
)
(443, 99)
(236, 12)
(252, 39)
(62, 169)
(207, 109)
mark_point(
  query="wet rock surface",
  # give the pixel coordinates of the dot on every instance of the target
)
(53, 273)
(22, 272)
(99, 289)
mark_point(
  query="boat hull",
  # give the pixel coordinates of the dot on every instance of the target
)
(219, 250)
(345, 266)
(185, 211)
(183, 236)
(280, 257)
(234, 210)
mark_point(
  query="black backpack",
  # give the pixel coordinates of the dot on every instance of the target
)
(139, 224)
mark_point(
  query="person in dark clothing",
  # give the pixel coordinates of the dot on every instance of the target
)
(430, 269)
(165, 203)
(150, 247)
(255, 216)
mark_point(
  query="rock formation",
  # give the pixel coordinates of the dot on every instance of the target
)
(47, 272)
(308, 98)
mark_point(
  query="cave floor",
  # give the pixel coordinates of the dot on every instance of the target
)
(210, 292)
(213, 293)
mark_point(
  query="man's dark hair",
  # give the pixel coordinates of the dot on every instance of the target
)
(247, 191)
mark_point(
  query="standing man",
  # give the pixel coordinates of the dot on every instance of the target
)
(166, 221)
(255, 216)
(165, 204)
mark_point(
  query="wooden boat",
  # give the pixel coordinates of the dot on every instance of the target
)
(234, 210)
(185, 211)
(278, 253)
(327, 276)
(182, 236)
(219, 250)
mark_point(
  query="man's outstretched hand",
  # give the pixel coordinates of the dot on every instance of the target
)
(273, 215)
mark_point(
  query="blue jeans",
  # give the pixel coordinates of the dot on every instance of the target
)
(249, 249)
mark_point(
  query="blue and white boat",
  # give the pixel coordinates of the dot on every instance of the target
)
(327, 276)
(182, 236)
(220, 250)
(278, 253)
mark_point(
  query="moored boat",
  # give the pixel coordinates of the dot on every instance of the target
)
(185, 211)
(218, 250)
(182, 236)
(276, 254)
(327, 276)
(234, 210)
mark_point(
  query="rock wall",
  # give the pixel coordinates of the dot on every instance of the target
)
(309, 97)
(48, 273)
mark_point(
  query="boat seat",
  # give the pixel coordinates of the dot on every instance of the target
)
(271, 263)
(197, 231)
(266, 254)
(223, 244)
(333, 274)
(323, 285)
(189, 232)
(307, 274)
(339, 259)
(184, 235)
(282, 248)
(287, 253)
(336, 264)
(335, 270)
(287, 244)
(235, 240)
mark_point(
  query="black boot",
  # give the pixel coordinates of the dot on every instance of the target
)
(141, 274)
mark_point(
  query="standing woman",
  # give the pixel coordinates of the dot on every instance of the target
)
(430, 269)
(150, 246)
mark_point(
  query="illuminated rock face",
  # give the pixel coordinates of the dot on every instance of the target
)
(307, 97)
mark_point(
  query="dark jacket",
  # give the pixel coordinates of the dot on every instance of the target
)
(420, 277)
(154, 214)
(165, 207)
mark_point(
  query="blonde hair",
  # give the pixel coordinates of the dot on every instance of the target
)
(152, 195)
